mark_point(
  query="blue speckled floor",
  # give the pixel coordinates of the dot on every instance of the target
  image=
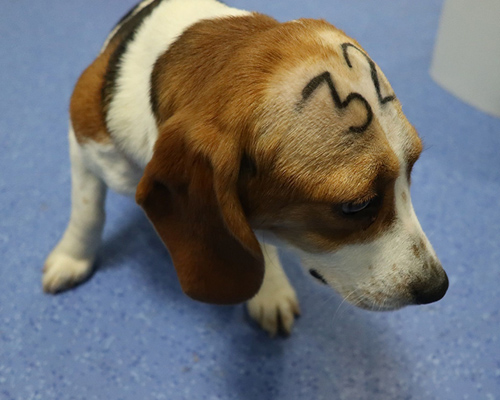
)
(129, 333)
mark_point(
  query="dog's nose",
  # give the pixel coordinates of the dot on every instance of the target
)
(431, 293)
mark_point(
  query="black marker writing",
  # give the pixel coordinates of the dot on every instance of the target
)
(373, 70)
(326, 77)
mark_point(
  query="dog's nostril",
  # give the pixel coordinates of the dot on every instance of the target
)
(318, 276)
(430, 294)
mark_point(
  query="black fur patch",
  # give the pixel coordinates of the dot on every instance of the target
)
(327, 77)
(318, 276)
(126, 34)
(127, 15)
(247, 166)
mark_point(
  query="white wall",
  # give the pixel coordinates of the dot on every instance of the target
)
(467, 52)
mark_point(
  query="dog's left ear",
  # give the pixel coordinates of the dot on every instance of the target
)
(189, 193)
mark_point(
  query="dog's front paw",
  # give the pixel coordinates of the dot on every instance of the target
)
(62, 272)
(275, 310)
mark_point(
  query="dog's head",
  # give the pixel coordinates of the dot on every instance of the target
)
(302, 139)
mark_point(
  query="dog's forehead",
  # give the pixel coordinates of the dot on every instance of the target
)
(333, 99)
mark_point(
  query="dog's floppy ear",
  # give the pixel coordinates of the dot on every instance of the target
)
(189, 193)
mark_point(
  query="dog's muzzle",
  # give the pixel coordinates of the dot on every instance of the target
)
(425, 292)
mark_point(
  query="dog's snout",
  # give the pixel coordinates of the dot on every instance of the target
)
(429, 293)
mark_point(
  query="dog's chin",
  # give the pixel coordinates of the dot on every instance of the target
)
(376, 303)
(372, 305)
(366, 299)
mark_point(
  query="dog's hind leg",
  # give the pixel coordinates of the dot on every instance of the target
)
(71, 261)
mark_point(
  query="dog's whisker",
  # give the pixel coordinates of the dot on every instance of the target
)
(344, 300)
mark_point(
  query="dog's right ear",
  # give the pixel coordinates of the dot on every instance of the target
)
(189, 193)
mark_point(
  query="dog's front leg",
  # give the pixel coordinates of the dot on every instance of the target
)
(275, 305)
(70, 262)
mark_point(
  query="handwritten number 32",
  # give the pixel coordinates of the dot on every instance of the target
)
(327, 77)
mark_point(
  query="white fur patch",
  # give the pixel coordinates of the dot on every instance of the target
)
(109, 163)
(130, 118)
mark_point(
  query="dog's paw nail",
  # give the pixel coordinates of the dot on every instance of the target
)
(275, 311)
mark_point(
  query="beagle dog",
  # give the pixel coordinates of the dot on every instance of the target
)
(237, 134)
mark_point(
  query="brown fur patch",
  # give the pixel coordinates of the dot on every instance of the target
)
(316, 225)
(414, 147)
(86, 113)
(210, 71)
(195, 210)
(417, 251)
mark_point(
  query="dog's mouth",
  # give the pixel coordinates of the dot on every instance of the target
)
(367, 300)
(378, 303)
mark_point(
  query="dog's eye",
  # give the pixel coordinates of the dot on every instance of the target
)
(353, 208)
